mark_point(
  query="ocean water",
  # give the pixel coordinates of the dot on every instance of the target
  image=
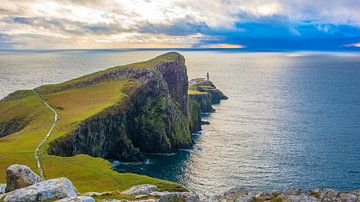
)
(292, 118)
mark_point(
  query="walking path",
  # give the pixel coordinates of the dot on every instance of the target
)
(46, 137)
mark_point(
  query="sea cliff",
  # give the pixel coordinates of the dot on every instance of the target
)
(205, 93)
(119, 113)
(153, 118)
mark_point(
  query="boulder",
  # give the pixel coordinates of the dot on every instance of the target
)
(19, 176)
(303, 197)
(236, 193)
(2, 196)
(245, 198)
(96, 193)
(263, 196)
(46, 190)
(2, 188)
(281, 197)
(348, 197)
(140, 196)
(77, 199)
(314, 193)
(124, 200)
(356, 192)
(140, 189)
(328, 195)
(179, 196)
(293, 191)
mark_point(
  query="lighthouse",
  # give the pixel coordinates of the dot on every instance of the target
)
(207, 76)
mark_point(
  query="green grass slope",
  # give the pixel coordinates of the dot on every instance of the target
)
(74, 105)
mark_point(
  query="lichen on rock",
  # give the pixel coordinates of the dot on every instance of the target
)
(77, 199)
(51, 189)
(19, 176)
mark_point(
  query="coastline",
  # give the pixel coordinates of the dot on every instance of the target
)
(335, 185)
(168, 64)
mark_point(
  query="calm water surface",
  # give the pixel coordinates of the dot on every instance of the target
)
(292, 120)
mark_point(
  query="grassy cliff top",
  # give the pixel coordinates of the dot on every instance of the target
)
(74, 105)
(149, 64)
(196, 92)
(200, 88)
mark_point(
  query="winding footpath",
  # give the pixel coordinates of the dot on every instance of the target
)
(37, 158)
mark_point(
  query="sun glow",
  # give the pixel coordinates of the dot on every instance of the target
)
(223, 45)
(355, 45)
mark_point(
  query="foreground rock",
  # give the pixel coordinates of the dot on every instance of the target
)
(141, 189)
(51, 189)
(19, 176)
(150, 190)
(77, 199)
(179, 196)
(239, 194)
(2, 188)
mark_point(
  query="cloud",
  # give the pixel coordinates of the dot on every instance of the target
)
(178, 23)
(357, 45)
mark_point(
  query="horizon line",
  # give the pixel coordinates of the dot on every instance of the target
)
(181, 49)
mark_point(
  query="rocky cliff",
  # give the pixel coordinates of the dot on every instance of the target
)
(205, 94)
(195, 116)
(204, 100)
(155, 117)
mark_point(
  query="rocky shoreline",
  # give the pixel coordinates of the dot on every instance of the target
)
(22, 184)
(240, 194)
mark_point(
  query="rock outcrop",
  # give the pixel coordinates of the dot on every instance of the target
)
(12, 126)
(206, 94)
(19, 176)
(154, 118)
(150, 190)
(2, 188)
(204, 101)
(291, 195)
(210, 88)
(77, 199)
(195, 116)
(51, 189)
(141, 189)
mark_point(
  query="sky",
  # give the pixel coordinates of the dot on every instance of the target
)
(244, 24)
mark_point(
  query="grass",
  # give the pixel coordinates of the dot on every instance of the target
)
(196, 92)
(168, 57)
(73, 105)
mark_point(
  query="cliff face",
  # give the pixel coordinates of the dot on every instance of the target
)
(12, 126)
(204, 101)
(154, 118)
(158, 118)
(195, 116)
(206, 94)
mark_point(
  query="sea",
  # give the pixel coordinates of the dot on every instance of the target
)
(292, 118)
